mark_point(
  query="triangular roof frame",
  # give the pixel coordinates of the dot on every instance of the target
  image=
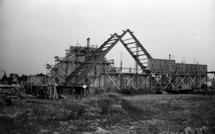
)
(90, 62)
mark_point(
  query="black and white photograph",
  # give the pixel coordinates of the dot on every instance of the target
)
(107, 67)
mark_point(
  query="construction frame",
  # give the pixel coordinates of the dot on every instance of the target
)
(88, 66)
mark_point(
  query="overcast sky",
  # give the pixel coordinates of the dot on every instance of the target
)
(32, 32)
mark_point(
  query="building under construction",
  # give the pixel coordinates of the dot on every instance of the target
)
(87, 65)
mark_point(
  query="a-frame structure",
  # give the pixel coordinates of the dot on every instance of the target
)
(132, 45)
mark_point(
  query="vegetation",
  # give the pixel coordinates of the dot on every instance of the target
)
(141, 113)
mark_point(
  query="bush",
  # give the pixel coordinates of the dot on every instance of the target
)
(76, 108)
(113, 96)
(135, 91)
(103, 103)
(46, 112)
(115, 108)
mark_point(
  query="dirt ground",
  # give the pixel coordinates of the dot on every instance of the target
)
(113, 113)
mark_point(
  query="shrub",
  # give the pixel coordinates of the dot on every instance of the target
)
(132, 91)
(103, 103)
(46, 112)
(76, 108)
(115, 108)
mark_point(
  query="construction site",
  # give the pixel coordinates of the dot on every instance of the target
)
(107, 67)
(87, 68)
(86, 72)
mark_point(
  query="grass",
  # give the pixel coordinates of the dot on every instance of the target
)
(148, 113)
(178, 111)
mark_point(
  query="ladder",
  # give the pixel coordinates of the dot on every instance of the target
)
(140, 56)
(93, 59)
(137, 51)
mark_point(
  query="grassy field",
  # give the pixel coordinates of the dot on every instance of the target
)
(175, 112)
(115, 113)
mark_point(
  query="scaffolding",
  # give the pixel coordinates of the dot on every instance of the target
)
(88, 66)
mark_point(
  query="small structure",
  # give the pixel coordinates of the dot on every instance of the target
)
(35, 84)
(37, 80)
